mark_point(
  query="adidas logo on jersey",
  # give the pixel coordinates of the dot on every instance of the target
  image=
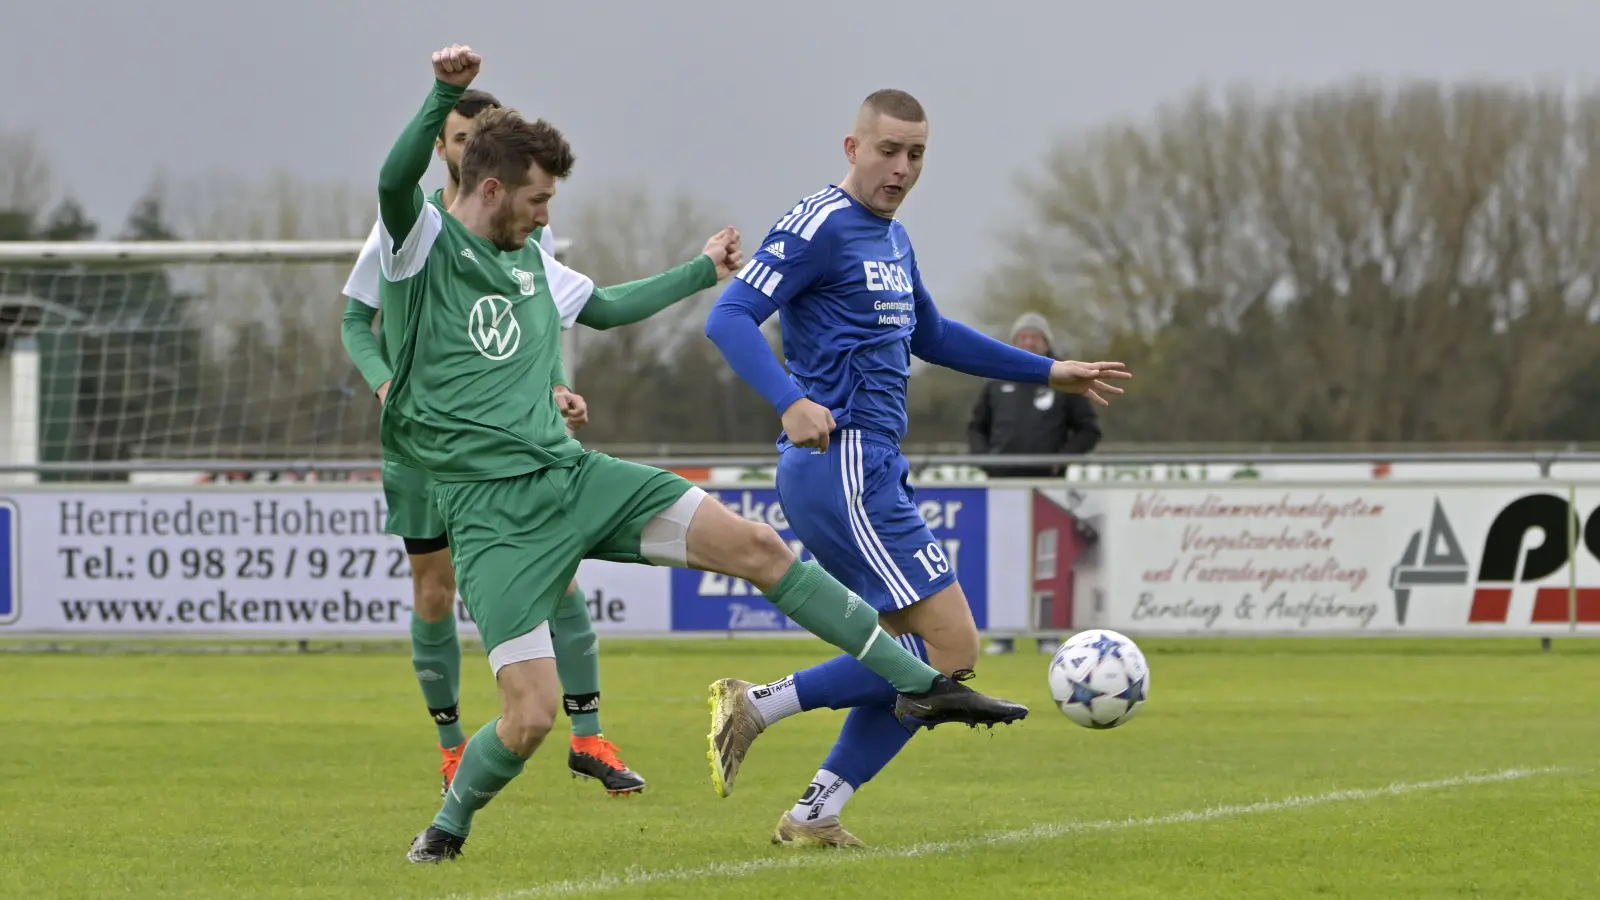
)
(775, 248)
(468, 254)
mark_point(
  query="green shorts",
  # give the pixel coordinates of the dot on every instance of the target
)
(413, 511)
(516, 542)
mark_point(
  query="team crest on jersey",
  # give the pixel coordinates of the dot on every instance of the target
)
(493, 328)
(525, 281)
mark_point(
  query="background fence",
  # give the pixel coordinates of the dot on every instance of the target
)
(188, 451)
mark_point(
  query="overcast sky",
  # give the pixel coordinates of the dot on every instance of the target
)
(743, 103)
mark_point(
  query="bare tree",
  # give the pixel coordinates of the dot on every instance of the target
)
(1363, 263)
(660, 380)
(631, 233)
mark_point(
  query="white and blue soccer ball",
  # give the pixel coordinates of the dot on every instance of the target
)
(1099, 678)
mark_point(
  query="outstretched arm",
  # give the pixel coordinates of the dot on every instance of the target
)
(635, 301)
(734, 325)
(948, 343)
(579, 301)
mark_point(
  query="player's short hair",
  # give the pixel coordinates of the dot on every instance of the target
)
(896, 105)
(504, 144)
(469, 105)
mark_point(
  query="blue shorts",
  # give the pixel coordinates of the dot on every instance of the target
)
(852, 508)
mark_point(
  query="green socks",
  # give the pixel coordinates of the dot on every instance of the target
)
(486, 768)
(817, 602)
(577, 662)
(436, 655)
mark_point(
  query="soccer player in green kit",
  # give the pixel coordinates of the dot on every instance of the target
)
(414, 516)
(474, 319)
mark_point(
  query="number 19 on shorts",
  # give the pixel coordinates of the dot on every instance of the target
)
(935, 561)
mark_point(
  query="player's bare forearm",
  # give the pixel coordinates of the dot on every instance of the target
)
(399, 194)
(356, 334)
(635, 301)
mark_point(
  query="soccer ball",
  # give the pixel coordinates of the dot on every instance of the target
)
(1099, 678)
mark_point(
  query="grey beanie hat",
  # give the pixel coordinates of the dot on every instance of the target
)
(1036, 322)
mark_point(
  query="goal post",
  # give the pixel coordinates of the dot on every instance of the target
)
(121, 358)
(23, 253)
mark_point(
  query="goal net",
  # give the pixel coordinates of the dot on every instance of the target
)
(121, 359)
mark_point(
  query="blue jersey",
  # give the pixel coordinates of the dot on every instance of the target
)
(846, 285)
(853, 310)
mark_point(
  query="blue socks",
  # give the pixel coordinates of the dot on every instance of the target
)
(841, 683)
(872, 735)
(844, 683)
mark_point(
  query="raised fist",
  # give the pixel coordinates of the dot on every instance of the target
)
(456, 64)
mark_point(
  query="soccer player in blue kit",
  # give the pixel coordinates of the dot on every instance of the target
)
(843, 273)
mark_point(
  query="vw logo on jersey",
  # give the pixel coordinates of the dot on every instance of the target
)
(525, 281)
(493, 328)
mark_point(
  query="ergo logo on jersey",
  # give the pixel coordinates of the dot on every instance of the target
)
(886, 276)
(1504, 564)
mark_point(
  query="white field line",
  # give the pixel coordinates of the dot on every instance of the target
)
(636, 877)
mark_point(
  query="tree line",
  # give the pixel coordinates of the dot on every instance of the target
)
(1362, 264)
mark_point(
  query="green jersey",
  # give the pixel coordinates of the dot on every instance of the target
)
(474, 333)
(363, 286)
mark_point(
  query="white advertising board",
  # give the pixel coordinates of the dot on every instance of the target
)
(1166, 558)
(294, 561)
(1457, 559)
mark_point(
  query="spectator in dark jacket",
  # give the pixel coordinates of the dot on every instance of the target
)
(1032, 419)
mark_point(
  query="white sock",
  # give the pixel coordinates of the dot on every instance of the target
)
(775, 701)
(825, 796)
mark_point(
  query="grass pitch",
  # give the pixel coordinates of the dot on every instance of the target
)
(1263, 768)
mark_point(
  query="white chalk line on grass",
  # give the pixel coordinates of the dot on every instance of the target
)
(803, 859)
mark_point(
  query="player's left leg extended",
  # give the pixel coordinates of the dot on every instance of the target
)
(516, 552)
(578, 661)
(643, 515)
